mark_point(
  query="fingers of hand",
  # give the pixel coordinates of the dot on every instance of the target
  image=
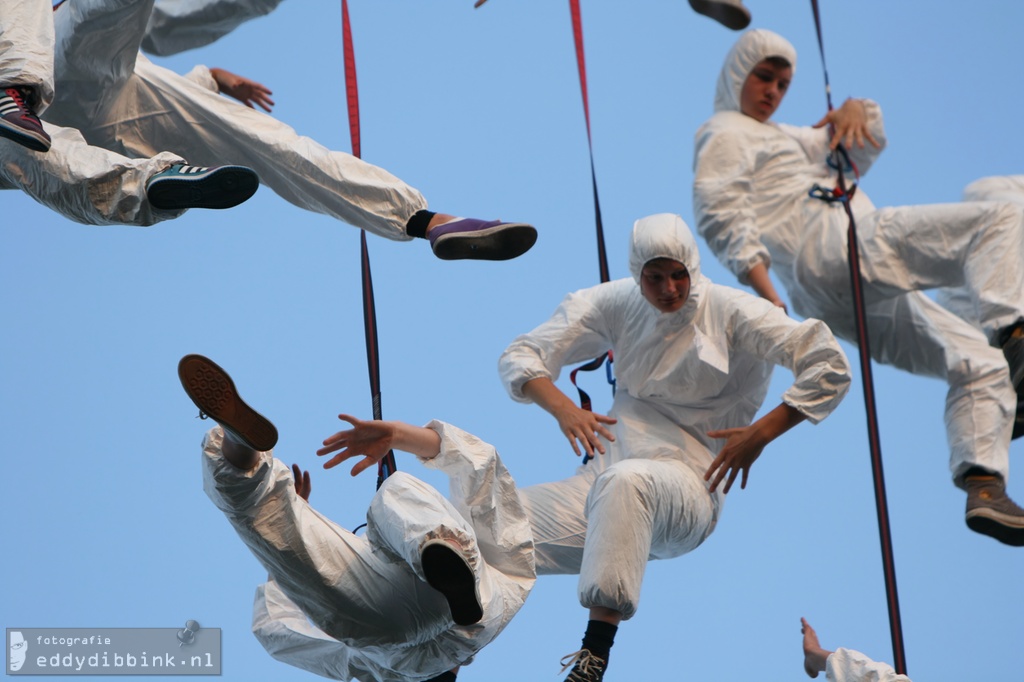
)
(363, 464)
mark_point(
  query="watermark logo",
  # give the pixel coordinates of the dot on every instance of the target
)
(191, 650)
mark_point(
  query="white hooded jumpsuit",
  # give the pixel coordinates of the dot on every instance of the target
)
(124, 103)
(179, 25)
(704, 367)
(86, 184)
(996, 188)
(752, 206)
(847, 665)
(369, 594)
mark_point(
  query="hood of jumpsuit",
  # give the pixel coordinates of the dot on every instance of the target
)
(666, 235)
(752, 47)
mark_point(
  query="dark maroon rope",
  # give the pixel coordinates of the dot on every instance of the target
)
(874, 438)
(386, 466)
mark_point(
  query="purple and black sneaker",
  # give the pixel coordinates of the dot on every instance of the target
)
(481, 240)
(19, 123)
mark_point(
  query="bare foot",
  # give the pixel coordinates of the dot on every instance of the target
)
(814, 655)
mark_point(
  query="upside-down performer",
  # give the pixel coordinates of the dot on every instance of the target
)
(55, 165)
(430, 584)
(121, 101)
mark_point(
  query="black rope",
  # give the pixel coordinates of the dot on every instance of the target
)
(874, 438)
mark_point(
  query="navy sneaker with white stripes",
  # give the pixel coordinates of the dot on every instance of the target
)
(19, 123)
(182, 186)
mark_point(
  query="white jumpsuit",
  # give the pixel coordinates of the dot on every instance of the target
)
(847, 665)
(996, 188)
(752, 206)
(86, 184)
(26, 49)
(123, 102)
(369, 593)
(706, 366)
(179, 25)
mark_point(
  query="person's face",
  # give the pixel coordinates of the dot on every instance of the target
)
(19, 649)
(764, 89)
(665, 284)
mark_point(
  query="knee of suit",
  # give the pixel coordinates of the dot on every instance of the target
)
(627, 486)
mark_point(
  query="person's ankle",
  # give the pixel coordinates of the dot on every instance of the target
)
(238, 454)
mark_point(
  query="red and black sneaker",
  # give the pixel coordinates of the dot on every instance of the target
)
(19, 123)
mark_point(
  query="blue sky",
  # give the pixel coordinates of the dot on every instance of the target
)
(107, 524)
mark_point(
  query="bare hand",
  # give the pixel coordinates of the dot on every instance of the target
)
(244, 90)
(370, 440)
(742, 448)
(815, 657)
(303, 486)
(584, 426)
(850, 123)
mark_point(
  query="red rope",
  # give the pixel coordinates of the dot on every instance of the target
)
(387, 465)
(602, 255)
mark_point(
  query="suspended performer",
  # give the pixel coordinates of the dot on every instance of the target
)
(124, 103)
(693, 362)
(55, 165)
(752, 201)
(842, 665)
(430, 584)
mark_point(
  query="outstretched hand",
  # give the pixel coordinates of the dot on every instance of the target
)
(246, 91)
(584, 426)
(371, 440)
(742, 448)
(815, 657)
(850, 123)
(303, 486)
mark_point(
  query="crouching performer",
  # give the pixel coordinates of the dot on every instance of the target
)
(431, 583)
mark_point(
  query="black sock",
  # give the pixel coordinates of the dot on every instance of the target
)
(417, 224)
(443, 677)
(599, 637)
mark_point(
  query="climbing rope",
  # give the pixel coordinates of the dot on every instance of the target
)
(387, 465)
(841, 194)
(602, 256)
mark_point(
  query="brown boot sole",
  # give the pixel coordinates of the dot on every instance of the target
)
(214, 393)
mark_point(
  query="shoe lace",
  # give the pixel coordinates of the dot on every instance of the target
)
(19, 100)
(585, 666)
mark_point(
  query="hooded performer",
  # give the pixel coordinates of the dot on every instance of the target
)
(692, 363)
(751, 201)
(430, 584)
(120, 101)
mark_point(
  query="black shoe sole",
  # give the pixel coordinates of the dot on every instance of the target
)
(727, 15)
(501, 242)
(992, 528)
(448, 573)
(214, 393)
(225, 187)
(25, 138)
